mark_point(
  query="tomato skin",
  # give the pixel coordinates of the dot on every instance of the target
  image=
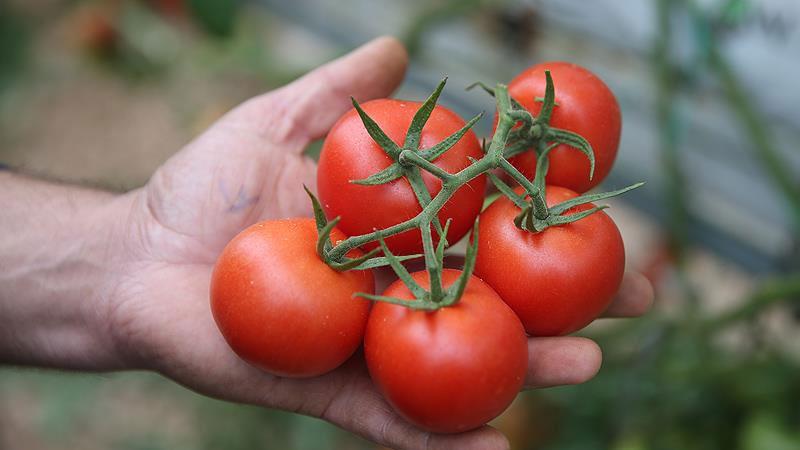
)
(585, 106)
(280, 307)
(557, 280)
(349, 153)
(450, 370)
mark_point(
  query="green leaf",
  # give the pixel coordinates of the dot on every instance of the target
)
(401, 271)
(324, 238)
(386, 175)
(437, 150)
(376, 133)
(549, 98)
(491, 92)
(422, 116)
(481, 85)
(591, 198)
(575, 141)
(382, 261)
(319, 214)
(563, 220)
(353, 263)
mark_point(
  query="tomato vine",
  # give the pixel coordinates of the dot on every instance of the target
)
(517, 130)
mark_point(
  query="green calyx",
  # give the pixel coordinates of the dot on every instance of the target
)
(537, 134)
(517, 131)
(436, 297)
(369, 260)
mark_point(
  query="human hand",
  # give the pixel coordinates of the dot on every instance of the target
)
(248, 167)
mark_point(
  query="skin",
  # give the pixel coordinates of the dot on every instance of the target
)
(563, 277)
(349, 153)
(270, 273)
(468, 361)
(585, 105)
(122, 283)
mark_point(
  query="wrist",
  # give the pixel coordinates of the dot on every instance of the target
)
(57, 255)
(94, 266)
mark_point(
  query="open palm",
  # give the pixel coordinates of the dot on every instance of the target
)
(247, 167)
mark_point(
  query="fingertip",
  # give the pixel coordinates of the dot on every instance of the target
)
(643, 289)
(390, 58)
(556, 361)
(591, 362)
(394, 49)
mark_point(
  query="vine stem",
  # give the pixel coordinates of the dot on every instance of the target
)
(515, 125)
(450, 184)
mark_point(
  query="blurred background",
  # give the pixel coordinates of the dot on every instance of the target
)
(102, 92)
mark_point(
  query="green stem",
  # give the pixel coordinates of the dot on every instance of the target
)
(491, 160)
(537, 198)
(410, 161)
(410, 157)
(431, 261)
(414, 178)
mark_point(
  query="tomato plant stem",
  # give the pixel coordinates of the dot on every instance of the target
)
(450, 183)
(516, 125)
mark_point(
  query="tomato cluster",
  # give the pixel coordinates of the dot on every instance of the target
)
(447, 349)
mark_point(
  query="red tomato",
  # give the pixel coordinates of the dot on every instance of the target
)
(280, 307)
(349, 153)
(585, 106)
(450, 370)
(557, 280)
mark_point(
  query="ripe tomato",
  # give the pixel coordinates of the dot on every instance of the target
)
(557, 280)
(585, 105)
(349, 153)
(280, 307)
(450, 370)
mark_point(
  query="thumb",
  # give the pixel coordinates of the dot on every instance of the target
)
(306, 109)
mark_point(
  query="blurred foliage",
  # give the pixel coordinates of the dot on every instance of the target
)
(664, 386)
(669, 381)
(218, 17)
(14, 38)
(109, 412)
(437, 13)
(672, 381)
